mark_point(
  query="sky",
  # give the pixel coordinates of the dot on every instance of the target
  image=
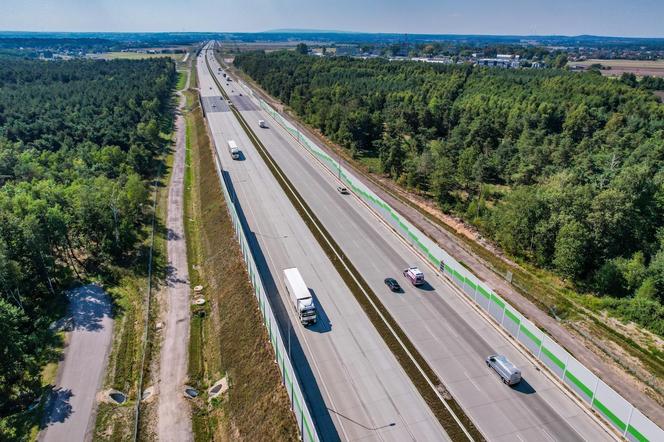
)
(644, 18)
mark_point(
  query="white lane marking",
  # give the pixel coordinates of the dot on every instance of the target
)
(345, 367)
(548, 435)
(288, 312)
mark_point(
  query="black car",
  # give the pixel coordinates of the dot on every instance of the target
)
(392, 284)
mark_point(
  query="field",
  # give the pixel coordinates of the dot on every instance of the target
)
(653, 68)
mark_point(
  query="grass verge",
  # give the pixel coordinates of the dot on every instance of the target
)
(182, 80)
(227, 336)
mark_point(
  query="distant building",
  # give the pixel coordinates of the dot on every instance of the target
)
(441, 60)
(346, 50)
(499, 62)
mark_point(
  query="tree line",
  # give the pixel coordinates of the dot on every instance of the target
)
(562, 169)
(78, 147)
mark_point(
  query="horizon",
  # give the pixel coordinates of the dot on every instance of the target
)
(328, 31)
(611, 18)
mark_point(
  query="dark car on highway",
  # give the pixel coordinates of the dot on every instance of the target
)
(392, 284)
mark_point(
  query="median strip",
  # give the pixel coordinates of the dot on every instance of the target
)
(448, 412)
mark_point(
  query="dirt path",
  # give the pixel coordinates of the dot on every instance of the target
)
(70, 412)
(173, 413)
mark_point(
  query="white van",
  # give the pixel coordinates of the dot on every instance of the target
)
(505, 369)
(415, 275)
(261, 123)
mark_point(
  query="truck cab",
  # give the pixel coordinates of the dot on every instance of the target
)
(415, 275)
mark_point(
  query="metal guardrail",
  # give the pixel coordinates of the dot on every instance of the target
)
(598, 396)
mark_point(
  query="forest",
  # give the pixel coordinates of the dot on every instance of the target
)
(79, 145)
(563, 170)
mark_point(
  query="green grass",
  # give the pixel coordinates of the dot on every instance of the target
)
(182, 81)
(372, 164)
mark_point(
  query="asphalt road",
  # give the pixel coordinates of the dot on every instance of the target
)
(451, 335)
(355, 387)
(173, 413)
(70, 411)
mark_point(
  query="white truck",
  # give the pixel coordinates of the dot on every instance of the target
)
(301, 298)
(415, 275)
(234, 150)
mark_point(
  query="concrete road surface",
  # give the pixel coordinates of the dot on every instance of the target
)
(70, 411)
(354, 385)
(173, 413)
(451, 335)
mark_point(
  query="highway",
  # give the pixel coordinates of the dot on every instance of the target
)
(451, 335)
(354, 385)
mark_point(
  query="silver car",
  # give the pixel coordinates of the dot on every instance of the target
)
(505, 369)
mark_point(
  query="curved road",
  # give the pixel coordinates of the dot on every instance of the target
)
(70, 411)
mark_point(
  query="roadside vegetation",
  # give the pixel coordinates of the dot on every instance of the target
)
(228, 338)
(80, 143)
(563, 170)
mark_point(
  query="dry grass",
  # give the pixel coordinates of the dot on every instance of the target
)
(228, 337)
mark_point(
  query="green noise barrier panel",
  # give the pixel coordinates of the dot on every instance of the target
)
(627, 420)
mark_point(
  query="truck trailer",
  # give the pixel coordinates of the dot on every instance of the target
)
(234, 150)
(300, 296)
